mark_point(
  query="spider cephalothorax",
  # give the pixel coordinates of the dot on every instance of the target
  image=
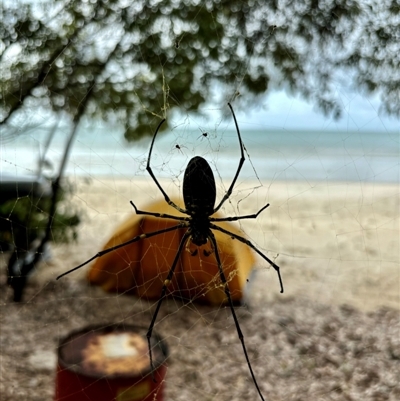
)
(199, 194)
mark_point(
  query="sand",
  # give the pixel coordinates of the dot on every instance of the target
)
(333, 334)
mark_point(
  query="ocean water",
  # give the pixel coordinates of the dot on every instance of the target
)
(271, 155)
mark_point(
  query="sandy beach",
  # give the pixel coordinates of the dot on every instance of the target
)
(333, 335)
(336, 242)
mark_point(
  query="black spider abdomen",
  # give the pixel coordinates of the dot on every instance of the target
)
(199, 190)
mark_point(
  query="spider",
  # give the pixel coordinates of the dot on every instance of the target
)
(203, 134)
(179, 147)
(199, 195)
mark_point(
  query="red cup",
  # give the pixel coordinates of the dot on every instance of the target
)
(110, 363)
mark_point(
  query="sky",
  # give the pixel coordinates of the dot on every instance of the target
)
(282, 111)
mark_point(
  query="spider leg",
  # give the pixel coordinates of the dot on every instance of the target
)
(249, 216)
(113, 248)
(228, 294)
(160, 215)
(167, 282)
(150, 171)
(248, 243)
(241, 161)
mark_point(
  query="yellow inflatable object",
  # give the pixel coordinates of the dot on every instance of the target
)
(140, 268)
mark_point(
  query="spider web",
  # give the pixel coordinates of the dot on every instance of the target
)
(332, 226)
